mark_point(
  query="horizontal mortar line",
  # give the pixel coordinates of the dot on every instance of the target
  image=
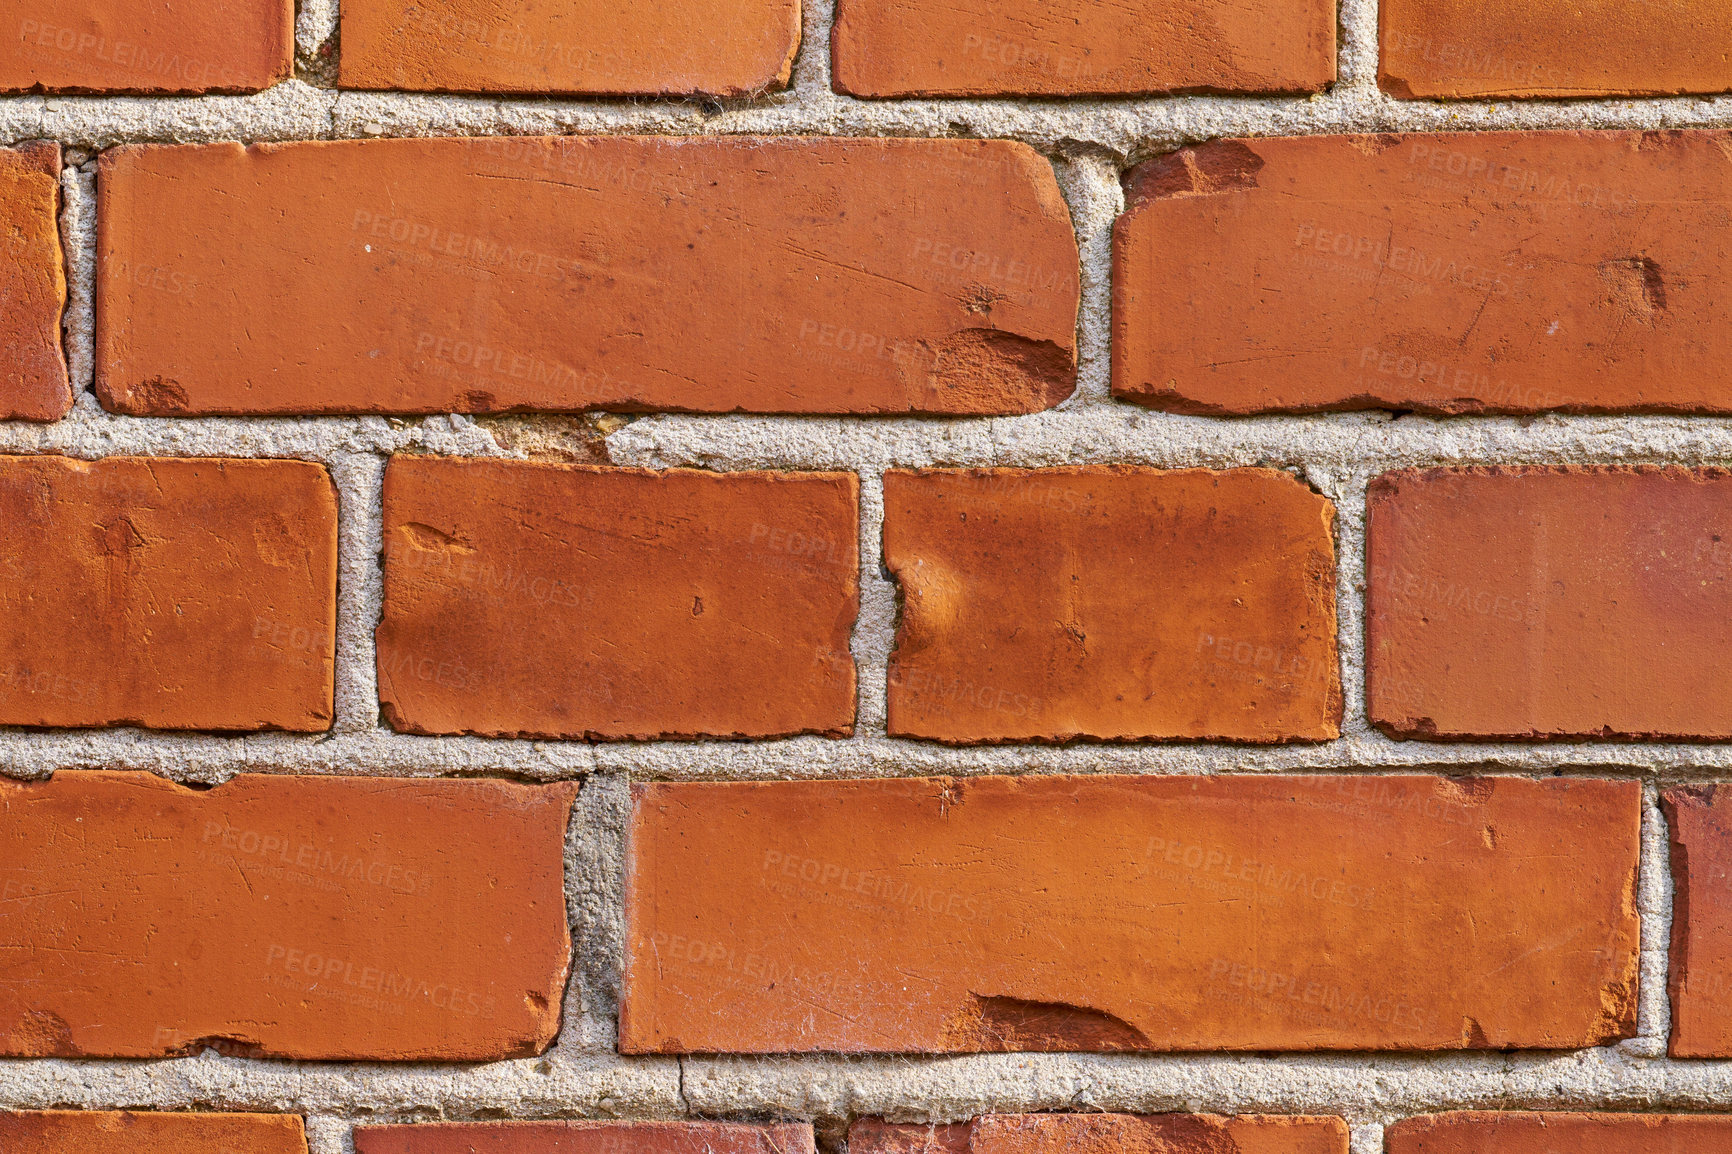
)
(205, 758)
(1360, 443)
(298, 111)
(1362, 1087)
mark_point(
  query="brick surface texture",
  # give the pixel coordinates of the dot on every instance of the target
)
(865, 577)
(130, 1132)
(1057, 913)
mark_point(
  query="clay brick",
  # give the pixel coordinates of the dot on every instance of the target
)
(1079, 47)
(635, 273)
(129, 1132)
(586, 1138)
(1489, 1132)
(34, 386)
(148, 47)
(299, 917)
(168, 593)
(1111, 602)
(1701, 976)
(1443, 273)
(1105, 1134)
(1548, 49)
(1131, 913)
(570, 601)
(713, 47)
(1548, 603)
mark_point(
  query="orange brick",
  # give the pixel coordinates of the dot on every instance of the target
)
(1443, 273)
(586, 1138)
(1111, 602)
(1105, 1134)
(1546, 49)
(168, 593)
(1488, 1132)
(1701, 975)
(149, 47)
(34, 386)
(569, 601)
(1131, 913)
(638, 273)
(299, 917)
(1535, 603)
(1078, 47)
(715, 47)
(85, 1131)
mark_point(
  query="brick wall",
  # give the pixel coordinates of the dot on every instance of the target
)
(965, 578)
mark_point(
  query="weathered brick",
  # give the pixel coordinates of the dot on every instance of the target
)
(169, 593)
(1079, 47)
(1131, 913)
(1548, 49)
(570, 601)
(1106, 1134)
(1444, 273)
(1489, 1132)
(301, 917)
(641, 273)
(132, 1132)
(586, 1138)
(1111, 602)
(34, 385)
(149, 47)
(1538, 603)
(1701, 977)
(713, 47)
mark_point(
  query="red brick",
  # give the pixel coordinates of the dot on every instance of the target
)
(1131, 913)
(569, 601)
(1443, 273)
(34, 386)
(1111, 602)
(1079, 47)
(716, 47)
(300, 917)
(168, 593)
(85, 1131)
(586, 1138)
(638, 273)
(1538, 603)
(149, 47)
(1701, 974)
(1488, 1132)
(1546, 49)
(1105, 1134)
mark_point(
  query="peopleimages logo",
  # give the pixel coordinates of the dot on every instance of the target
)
(138, 58)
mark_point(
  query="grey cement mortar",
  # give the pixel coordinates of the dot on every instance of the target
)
(1090, 142)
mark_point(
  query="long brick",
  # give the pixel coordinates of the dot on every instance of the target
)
(1536, 603)
(34, 384)
(1548, 49)
(132, 1132)
(169, 593)
(586, 1138)
(1131, 913)
(148, 47)
(299, 917)
(713, 47)
(1443, 273)
(569, 601)
(1111, 602)
(1105, 1134)
(484, 275)
(1076, 48)
(1700, 821)
(1489, 1132)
